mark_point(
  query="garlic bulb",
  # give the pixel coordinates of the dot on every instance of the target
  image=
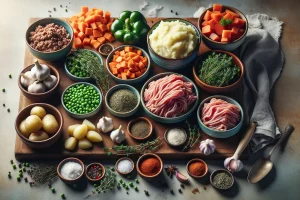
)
(41, 71)
(233, 164)
(27, 79)
(37, 87)
(117, 135)
(105, 124)
(207, 146)
(50, 81)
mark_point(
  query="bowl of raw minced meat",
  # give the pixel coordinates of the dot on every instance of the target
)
(49, 39)
(220, 116)
(169, 97)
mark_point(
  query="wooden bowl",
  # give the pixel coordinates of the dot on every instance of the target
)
(97, 179)
(213, 89)
(196, 160)
(40, 97)
(70, 181)
(124, 158)
(142, 158)
(25, 112)
(219, 171)
(139, 119)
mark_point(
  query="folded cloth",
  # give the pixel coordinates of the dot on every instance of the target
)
(263, 61)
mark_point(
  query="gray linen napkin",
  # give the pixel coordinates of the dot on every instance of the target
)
(263, 61)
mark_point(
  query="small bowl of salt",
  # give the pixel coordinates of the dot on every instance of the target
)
(124, 166)
(70, 170)
(175, 137)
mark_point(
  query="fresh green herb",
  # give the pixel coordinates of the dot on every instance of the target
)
(43, 174)
(218, 70)
(225, 22)
(136, 149)
(194, 136)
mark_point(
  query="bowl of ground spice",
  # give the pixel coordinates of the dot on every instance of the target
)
(140, 128)
(221, 179)
(94, 172)
(149, 166)
(197, 168)
(122, 100)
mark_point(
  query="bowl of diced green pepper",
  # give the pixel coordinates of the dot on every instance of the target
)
(76, 64)
(81, 100)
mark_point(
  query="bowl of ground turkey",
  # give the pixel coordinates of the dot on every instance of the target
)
(49, 39)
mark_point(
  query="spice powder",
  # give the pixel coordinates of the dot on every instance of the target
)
(150, 166)
(140, 129)
(197, 168)
(122, 100)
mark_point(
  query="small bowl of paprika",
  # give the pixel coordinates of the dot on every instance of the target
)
(94, 172)
(149, 166)
(197, 168)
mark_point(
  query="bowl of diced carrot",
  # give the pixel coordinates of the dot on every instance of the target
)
(91, 27)
(128, 64)
(223, 27)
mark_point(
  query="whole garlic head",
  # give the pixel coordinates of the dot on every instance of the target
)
(105, 124)
(207, 146)
(118, 135)
(233, 165)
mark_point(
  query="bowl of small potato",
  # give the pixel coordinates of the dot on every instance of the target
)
(39, 125)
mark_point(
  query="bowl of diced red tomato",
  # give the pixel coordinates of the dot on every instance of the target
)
(223, 27)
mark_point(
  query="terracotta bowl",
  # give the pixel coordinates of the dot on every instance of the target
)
(219, 171)
(25, 112)
(196, 160)
(213, 89)
(136, 120)
(97, 179)
(230, 46)
(40, 97)
(142, 158)
(70, 181)
(124, 158)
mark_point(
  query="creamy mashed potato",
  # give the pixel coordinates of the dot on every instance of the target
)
(173, 39)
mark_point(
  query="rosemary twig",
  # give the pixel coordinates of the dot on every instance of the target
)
(194, 136)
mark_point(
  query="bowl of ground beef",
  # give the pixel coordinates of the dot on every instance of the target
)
(49, 39)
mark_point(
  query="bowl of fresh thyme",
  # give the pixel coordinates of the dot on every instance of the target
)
(218, 72)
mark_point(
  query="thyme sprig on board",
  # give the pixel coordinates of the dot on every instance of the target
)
(194, 136)
(43, 174)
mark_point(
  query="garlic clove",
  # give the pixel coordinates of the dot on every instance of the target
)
(27, 79)
(118, 135)
(41, 71)
(180, 177)
(37, 87)
(105, 124)
(50, 81)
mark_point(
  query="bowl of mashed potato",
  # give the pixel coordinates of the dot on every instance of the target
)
(173, 43)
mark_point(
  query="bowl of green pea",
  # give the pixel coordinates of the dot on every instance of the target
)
(77, 64)
(81, 100)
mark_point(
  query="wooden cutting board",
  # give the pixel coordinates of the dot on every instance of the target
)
(225, 147)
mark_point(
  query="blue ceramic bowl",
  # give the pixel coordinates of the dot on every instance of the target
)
(167, 120)
(50, 56)
(81, 79)
(122, 114)
(215, 133)
(128, 81)
(169, 63)
(230, 46)
(86, 115)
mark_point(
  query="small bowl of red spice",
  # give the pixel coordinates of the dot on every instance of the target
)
(94, 172)
(197, 168)
(149, 166)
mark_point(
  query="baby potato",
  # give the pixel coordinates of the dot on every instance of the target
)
(90, 125)
(84, 144)
(23, 129)
(80, 131)
(38, 111)
(38, 136)
(33, 123)
(70, 143)
(93, 136)
(50, 125)
(71, 129)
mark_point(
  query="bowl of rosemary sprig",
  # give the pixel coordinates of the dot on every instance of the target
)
(218, 72)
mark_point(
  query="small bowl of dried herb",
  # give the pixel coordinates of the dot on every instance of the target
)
(122, 100)
(221, 179)
(218, 72)
(140, 128)
(197, 168)
(94, 172)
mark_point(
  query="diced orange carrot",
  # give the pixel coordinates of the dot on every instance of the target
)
(138, 74)
(94, 26)
(128, 49)
(204, 23)
(117, 53)
(112, 64)
(102, 28)
(89, 19)
(228, 16)
(78, 43)
(124, 77)
(141, 65)
(91, 37)
(212, 23)
(224, 40)
(97, 33)
(109, 37)
(219, 29)
(84, 9)
(81, 35)
(74, 25)
(241, 23)
(145, 61)
(217, 17)
(132, 76)
(93, 41)
(115, 58)
(104, 21)
(115, 71)
(234, 30)
(232, 13)
(89, 13)
(86, 41)
(123, 64)
(128, 73)
(119, 59)
(136, 58)
(143, 70)
(119, 76)
(89, 31)
(107, 15)
(217, 7)
(226, 34)
(101, 40)
(97, 18)
(73, 18)
(139, 52)
(96, 45)
(207, 15)
(122, 53)
(98, 24)
(216, 12)
(207, 30)
(75, 31)
(99, 12)
(82, 26)
(108, 25)
(214, 37)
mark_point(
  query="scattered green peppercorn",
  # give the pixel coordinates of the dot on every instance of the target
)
(53, 190)
(127, 188)
(10, 76)
(3, 89)
(63, 196)
(130, 184)
(136, 180)
(19, 178)
(121, 181)
(9, 175)
(20, 170)
(15, 166)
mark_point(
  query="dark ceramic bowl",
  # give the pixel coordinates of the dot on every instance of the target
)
(136, 120)
(196, 160)
(124, 158)
(141, 159)
(220, 171)
(50, 56)
(101, 49)
(97, 179)
(179, 145)
(70, 181)
(39, 97)
(25, 112)
(214, 89)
